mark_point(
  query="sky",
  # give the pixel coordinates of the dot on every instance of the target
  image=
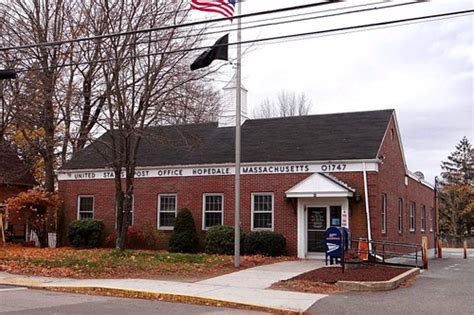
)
(425, 71)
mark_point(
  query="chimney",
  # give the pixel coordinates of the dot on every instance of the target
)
(227, 116)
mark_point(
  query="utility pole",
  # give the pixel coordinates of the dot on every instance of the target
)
(238, 87)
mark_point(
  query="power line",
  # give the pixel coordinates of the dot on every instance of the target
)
(364, 30)
(189, 24)
(284, 37)
(244, 22)
(267, 24)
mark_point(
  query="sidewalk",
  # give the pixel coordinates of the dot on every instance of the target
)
(249, 287)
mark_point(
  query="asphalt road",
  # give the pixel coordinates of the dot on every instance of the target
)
(446, 288)
(14, 300)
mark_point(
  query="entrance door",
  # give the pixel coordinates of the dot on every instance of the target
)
(317, 224)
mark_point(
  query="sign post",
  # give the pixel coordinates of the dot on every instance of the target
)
(424, 251)
(465, 249)
(2, 229)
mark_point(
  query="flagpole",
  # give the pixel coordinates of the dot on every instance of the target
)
(238, 93)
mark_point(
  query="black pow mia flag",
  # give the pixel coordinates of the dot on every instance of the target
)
(218, 51)
(7, 74)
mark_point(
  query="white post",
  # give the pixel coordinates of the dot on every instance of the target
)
(367, 209)
(237, 140)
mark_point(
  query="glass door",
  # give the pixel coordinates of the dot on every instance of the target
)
(316, 226)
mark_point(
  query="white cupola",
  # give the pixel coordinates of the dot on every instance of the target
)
(227, 116)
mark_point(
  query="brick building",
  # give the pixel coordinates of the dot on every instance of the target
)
(15, 177)
(300, 175)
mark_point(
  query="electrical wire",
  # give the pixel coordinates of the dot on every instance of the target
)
(247, 22)
(189, 24)
(361, 27)
(260, 25)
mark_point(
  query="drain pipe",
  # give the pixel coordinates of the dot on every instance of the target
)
(367, 211)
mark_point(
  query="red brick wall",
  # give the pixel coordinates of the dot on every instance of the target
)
(190, 191)
(391, 181)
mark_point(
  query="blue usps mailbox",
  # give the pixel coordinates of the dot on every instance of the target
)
(335, 245)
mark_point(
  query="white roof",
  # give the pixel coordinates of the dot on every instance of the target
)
(320, 185)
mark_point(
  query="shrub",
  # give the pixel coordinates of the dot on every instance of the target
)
(184, 238)
(85, 233)
(220, 240)
(264, 243)
(37, 209)
(146, 238)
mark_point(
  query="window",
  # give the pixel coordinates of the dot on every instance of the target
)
(262, 211)
(85, 207)
(432, 214)
(412, 217)
(166, 211)
(400, 215)
(422, 219)
(384, 213)
(213, 208)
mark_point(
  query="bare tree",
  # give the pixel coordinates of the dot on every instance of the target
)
(67, 94)
(286, 104)
(147, 81)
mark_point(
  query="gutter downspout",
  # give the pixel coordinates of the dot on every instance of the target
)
(367, 211)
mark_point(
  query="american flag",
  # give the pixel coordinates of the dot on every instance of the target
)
(224, 7)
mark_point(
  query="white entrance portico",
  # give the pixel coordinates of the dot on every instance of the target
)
(322, 201)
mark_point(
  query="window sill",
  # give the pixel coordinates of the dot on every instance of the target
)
(165, 228)
(262, 229)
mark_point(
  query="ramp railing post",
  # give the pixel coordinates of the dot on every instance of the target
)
(465, 249)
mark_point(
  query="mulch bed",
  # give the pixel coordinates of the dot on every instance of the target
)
(362, 273)
(323, 280)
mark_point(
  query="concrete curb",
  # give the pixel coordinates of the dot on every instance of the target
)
(165, 296)
(170, 297)
(21, 282)
(377, 285)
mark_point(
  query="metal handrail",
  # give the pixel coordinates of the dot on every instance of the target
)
(390, 253)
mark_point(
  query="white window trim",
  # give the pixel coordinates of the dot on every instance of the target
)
(422, 218)
(384, 213)
(166, 228)
(204, 228)
(79, 205)
(133, 211)
(400, 216)
(253, 210)
(412, 214)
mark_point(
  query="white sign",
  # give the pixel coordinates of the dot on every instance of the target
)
(251, 169)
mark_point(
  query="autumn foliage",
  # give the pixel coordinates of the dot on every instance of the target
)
(109, 263)
(37, 209)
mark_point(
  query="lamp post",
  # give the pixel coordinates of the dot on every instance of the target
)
(7, 74)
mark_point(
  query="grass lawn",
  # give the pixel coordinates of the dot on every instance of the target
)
(108, 263)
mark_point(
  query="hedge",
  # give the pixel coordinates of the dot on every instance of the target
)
(265, 243)
(220, 240)
(85, 233)
(184, 238)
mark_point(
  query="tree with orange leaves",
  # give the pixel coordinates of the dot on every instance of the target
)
(38, 209)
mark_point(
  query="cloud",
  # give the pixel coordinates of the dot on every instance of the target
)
(425, 71)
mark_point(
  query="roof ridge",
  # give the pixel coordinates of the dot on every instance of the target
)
(326, 114)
